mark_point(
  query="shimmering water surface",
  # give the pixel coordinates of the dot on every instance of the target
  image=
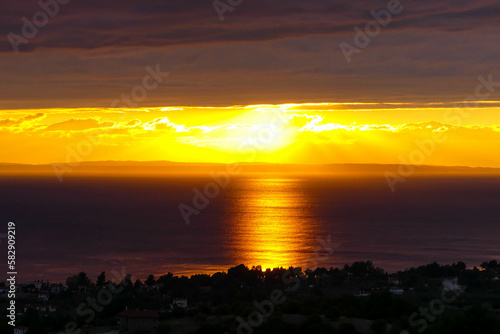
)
(96, 224)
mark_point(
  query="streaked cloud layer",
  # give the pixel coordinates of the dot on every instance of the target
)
(132, 23)
(263, 52)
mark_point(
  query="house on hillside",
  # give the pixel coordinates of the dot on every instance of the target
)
(20, 330)
(361, 293)
(180, 302)
(56, 288)
(396, 291)
(44, 297)
(394, 280)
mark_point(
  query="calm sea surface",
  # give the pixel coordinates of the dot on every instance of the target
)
(134, 225)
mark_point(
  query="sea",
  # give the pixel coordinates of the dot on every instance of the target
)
(189, 223)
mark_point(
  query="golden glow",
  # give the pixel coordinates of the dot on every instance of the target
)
(269, 226)
(316, 133)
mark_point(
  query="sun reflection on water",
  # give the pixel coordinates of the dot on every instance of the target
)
(271, 224)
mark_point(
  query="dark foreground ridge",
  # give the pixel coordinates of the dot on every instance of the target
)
(359, 298)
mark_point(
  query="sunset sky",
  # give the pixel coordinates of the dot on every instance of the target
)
(268, 83)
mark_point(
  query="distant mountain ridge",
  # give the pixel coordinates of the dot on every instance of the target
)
(154, 167)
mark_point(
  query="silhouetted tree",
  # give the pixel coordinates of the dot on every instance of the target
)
(150, 281)
(492, 265)
(138, 284)
(83, 280)
(79, 281)
(460, 266)
(165, 280)
(101, 279)
(127, 282)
